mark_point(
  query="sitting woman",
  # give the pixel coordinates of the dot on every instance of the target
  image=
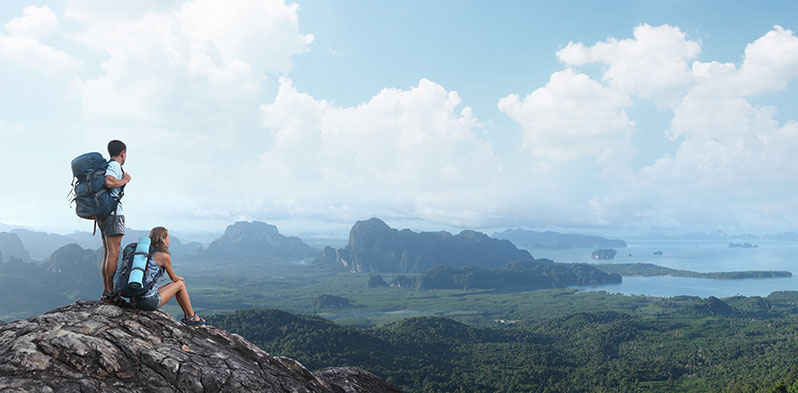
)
(157, 296)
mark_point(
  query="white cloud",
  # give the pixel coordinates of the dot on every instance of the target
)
(770, 62)
(574, 54)
(88, 10)
(653, 64)
(408, 152)
(23, 44)
(181, 64)
(734, 163)
(222, 37)
(572, 116)
(37, 22)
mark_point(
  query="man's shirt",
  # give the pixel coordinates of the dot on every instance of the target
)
(115, 170)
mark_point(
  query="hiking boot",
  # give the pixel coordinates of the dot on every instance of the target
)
(114, 298)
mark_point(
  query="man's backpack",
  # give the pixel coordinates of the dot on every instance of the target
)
(122, 275)
(92, 199)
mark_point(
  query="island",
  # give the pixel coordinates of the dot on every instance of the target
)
(742, 245)
(650, 269)
(533, 240)
(530, 274)
(603, 253)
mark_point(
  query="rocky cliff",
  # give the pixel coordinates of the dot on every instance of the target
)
(92, 347)
(375, 247)
(12, 246)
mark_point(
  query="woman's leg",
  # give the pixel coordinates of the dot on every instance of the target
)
(179, 291)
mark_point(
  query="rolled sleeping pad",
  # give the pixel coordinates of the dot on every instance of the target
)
(139, 263)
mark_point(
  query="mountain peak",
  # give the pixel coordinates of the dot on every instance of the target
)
(256, 239)
(93, 347)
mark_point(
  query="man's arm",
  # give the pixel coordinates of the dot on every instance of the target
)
(112, 182)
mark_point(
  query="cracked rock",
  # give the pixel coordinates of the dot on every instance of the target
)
(94, 347)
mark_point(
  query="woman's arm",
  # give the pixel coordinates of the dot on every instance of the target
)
(165, 260)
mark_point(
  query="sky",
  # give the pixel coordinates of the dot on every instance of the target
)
(672, 116)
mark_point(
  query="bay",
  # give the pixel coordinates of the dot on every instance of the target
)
(695, 255)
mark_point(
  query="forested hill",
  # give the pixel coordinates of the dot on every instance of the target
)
(682, 344)
(375, 247)
(541, 273)
(555, 240)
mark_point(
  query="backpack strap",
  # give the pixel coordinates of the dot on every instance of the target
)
(121, 189)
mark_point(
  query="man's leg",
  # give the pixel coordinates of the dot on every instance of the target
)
(112, 244)
(104, 266)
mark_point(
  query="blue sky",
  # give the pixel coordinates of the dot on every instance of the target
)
(673, 116)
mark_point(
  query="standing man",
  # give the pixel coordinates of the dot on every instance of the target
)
(112, 227)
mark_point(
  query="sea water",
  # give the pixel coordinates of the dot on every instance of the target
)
(698, 256)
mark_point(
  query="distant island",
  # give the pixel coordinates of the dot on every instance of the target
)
(742, 245)
(556, 241)
(649, 270)
(529, 274)
(604, 254)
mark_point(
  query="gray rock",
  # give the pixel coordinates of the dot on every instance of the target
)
(354, 380)
(93, 347)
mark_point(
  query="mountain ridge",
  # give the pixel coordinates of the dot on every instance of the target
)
(245, 239)
(555, 240)
(376, 247)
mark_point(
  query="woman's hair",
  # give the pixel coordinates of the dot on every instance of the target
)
(158, 239)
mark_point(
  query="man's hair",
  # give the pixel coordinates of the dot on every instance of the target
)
(116, 147)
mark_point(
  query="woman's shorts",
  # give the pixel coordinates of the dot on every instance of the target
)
(148, 303)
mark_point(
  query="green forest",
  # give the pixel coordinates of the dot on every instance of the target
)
(685, 344)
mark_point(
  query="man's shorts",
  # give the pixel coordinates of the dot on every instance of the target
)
(112, 225)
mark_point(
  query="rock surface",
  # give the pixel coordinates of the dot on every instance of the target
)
(92, 347)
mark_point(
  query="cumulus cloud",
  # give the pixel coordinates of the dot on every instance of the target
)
(770, 62)
(36, 22)
(733, 161)
(716, 113)
(653, 64)
(180, 82)
(412, 152)
(572, 116)
(23, 43)
(185, 62)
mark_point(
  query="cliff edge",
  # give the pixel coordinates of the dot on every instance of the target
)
(92, 347)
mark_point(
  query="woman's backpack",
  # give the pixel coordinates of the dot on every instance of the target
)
(92, 199)
(126, 267)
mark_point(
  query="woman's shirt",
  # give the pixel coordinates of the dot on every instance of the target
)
(152, 274)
